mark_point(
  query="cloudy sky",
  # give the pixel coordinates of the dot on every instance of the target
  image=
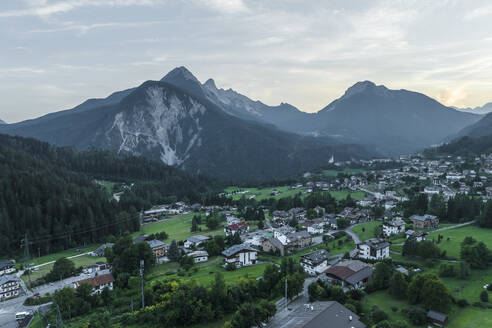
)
(55, 54)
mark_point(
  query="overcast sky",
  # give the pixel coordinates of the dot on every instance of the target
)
(55, 54)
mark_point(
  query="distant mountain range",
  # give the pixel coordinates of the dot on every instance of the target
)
(485, 109)
(205, 129)
(2, 122)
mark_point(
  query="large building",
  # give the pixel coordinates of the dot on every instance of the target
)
(373, 249)
(6, 267)
(315, 262)
(98, 282)
(10, 286)
(425, 221)
(319, 315)
(349, 274)
(393, 227)
(159, 248)
(240, 255)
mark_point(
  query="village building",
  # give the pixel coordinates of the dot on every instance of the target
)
(437, 318)
(10, 286)
(100, 250)
(273, 245)
(6, 267)
(159, 248)
(349, 274)
(320, 315)
(418, 235)
(374, 249)
(240, 255)
(99, 266)
(425, 221)
(315, 262)
(98, 282)
(236, 228)
(199, 256)
(195, 241)
(393, 227)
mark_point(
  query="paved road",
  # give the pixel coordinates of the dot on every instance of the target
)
(454, 226)
(354, 236)
(9, 308)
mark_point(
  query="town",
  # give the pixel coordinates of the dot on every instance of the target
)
(358, 244)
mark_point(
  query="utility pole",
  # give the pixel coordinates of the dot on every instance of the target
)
(25, 244)
(286, 301)
(59, 321)
(142, 264)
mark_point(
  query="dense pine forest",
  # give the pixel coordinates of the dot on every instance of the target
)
(49, 194)
(466, 146)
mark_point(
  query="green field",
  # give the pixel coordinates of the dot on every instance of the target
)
(385, 302)
(80, 261)
(366, 230)
(263, 193)
(206, 271)
(178, 227)
(65, 253)
(108, 185)
(36, 322)
(334, 173)
(457, 235)
(342, 194)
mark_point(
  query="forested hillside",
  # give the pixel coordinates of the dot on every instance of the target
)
(465, 146)
(49, 194)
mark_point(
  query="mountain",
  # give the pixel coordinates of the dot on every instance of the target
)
(388, 121)
(485, 109)
(2, 122)
(478, 129)
(392, 121)
(168, 123)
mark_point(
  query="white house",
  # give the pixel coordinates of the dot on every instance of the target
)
(195, 241)
(315, 262)
(98, 282)
(6, 267)
(393, 227)
(240, 255)
(9, 287)
(418, 235)
(374, 249)
(199, 256)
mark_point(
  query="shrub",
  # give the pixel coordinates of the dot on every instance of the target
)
(417, 316)
(230, 267)
(484, 296)
(394, 308)
(462, 303)
(489, 287)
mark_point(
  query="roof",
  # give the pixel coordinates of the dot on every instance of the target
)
(197, 239)
(415, 233)
(376, 243)
(298, 235)
(6, 279)
(6, 264)
(317, 256)
(396, 222)
(318, 314)
(437, 316)
(155, 244)
(236, 249)
(423, 217)
(139, 239)
(275, 242)
(351, 271)
(198, 254)
(236, 226)
(97, 281)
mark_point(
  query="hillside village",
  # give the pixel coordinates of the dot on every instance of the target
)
(359, 232)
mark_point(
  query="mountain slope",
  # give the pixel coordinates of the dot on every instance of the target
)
(163, 122)
(389, 121)
(478, 129)
(393, 121)
(2, 122)
(485, 109)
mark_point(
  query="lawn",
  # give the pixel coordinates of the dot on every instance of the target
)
(65, 253)
(178, 227)
(205, 271)
(36, 322)
(334, 173)
(342, 194)
(83, 261)
(263, 193)
(107, 185)
(366, 230)
(385, 302)
(456, 236)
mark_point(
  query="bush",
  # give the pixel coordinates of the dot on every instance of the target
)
(378, 315)
(447, 270)
(489, 287)
(484, 296)
(394, 308)
(462, 303)
(230, 267)
(417, 316)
